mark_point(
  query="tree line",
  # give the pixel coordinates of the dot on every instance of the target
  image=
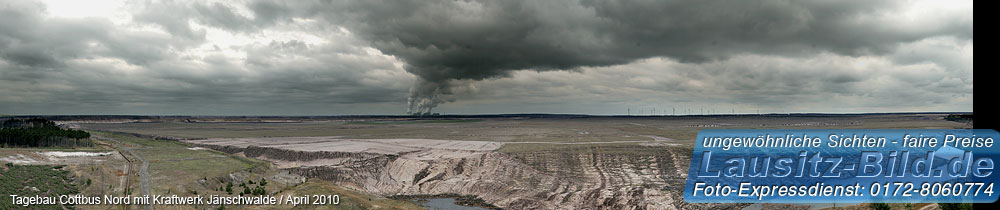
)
(37, 132)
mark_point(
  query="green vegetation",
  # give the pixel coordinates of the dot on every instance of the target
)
(879, 206)
(175, 159)
(955, 206)
(258, 190)
(37, 132)
(32, 180)
(464, 200)
(189, 170)
(963, 118)
(247, 190)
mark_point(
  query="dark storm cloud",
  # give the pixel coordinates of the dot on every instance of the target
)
(157, 60)
(12, 49)
(33, 40)
(822, 83)
(30, 57)
(442, 41)
(171, 16)
(328, 57)
(269, 12)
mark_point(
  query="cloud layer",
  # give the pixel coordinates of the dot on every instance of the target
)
(565, 56)
(446, 40)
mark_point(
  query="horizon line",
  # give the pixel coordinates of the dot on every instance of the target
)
(473, 115)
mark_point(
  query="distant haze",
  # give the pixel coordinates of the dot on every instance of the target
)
(469, 57)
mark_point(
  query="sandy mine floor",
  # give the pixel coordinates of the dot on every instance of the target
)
(55, 157)
(413, 148)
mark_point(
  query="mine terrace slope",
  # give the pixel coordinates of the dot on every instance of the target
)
(426, 166)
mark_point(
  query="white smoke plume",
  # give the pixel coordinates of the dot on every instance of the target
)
(425, 95)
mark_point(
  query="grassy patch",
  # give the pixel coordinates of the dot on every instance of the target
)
(173, 164)
(32, 180)
(462, 200)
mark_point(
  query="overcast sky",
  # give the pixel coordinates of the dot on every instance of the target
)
(465, 57)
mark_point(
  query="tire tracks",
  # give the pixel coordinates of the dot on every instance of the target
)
(143, 173)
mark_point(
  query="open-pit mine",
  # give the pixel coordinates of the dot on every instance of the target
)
(509, 161)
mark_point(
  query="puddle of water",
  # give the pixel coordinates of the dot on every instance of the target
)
(444, 204)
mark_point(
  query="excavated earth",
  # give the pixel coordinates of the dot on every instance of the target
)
(625, 176)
